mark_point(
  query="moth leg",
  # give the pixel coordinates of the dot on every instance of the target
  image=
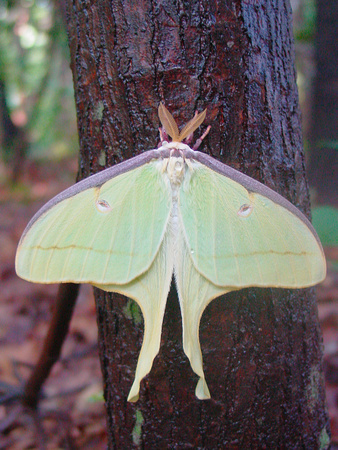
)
(200, 139)
(163, 136)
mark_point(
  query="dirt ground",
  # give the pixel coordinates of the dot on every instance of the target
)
(72, 412)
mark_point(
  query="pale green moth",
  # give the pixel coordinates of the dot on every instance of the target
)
(171, 211)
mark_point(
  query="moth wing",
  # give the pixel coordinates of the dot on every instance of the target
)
(98, 232)
(195, 292)
(150, 291)
(246, 236)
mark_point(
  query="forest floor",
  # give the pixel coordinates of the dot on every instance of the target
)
(73, 418)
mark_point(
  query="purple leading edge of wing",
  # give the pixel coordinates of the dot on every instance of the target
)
(250, 184)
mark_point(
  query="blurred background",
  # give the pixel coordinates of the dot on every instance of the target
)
(38, 159)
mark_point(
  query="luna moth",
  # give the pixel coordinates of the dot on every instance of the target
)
(171, 211)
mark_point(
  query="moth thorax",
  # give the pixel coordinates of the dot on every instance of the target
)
(175, 169)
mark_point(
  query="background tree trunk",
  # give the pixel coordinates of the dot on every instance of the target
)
(324, 123)
(261, 347)
(13, 139)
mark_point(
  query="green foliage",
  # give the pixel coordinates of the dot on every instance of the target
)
(324, 439)
(137, 430)
(34, 68)
(96, 398)
(332, 144)
(133, 311)
(325, 221)
(306, 24)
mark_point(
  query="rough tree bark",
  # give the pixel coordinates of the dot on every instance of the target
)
(261, 347)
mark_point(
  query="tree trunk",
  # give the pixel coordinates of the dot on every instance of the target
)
(324, 126)
(13, 140)
(261, 347)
